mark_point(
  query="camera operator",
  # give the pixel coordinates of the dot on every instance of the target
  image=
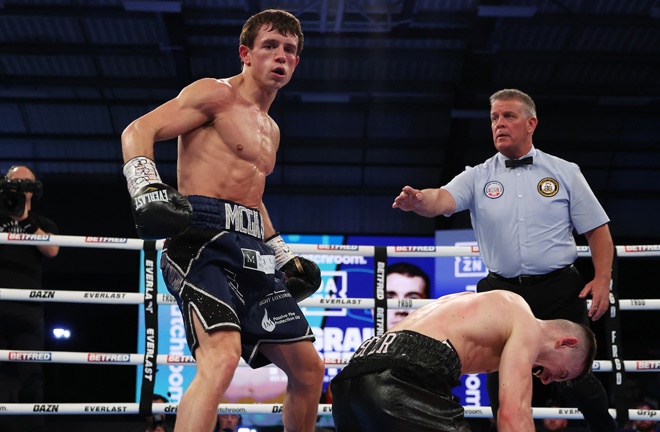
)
(22, 323)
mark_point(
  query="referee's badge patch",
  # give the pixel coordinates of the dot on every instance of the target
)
(493, 189)
(548, 187)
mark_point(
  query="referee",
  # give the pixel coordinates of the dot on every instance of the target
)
(524, 205)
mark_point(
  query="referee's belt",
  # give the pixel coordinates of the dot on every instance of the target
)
(533, 279)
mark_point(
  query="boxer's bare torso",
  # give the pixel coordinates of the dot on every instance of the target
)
(478, 327)
(231, 154)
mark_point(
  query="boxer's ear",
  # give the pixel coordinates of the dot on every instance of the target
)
(569, 341)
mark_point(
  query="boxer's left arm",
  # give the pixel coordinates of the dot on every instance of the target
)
(515, 377)
(159, 210)
(303, 277)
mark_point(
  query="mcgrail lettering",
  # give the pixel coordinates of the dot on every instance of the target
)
(250, 224)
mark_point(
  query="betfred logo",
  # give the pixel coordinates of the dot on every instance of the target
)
(414, 248)
(91, 239)
(648, 365)
(108, 358)
(31, 237)
(337, 247)
(30, 356)
(180, 359)
(642, 248)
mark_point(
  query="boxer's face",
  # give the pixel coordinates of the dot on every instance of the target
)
(563, 368)
(273, 57)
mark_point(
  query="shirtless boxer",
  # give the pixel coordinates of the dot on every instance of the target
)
(402, 380)
(228, 282)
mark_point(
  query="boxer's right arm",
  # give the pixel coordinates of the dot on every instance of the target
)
(159, 210)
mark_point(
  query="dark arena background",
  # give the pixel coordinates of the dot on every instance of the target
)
(387, 93)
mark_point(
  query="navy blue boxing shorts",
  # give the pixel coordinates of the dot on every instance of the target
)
(400, 381)
(220, 269)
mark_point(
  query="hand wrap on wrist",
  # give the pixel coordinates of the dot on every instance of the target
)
(140, 171)
(303, 277)
(159, 210)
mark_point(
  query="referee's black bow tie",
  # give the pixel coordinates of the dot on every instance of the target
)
(512, 163)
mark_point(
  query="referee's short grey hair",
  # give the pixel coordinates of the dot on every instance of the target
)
(506, 94)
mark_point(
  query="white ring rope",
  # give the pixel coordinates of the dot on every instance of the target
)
(104, 297)
(362, 250)
(357, 303)
(323, 409)
(132, 359)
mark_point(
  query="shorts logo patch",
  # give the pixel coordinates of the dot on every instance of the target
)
(253, 260)
(494, 189)
(250, 259)
(267, 323)
(548, 187)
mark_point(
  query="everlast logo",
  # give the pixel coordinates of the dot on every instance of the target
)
(340, 301)
(106, 408)
(243, 220)
(155, 196)
(150, 355)
(149, 285)
(568, 411)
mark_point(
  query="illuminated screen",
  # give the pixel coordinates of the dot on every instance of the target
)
(338, 331)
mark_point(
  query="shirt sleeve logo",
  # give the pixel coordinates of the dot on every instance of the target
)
(493, 189)
(548, 187)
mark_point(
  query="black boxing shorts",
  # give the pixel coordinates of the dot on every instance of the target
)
(220, 269)
(400, 381)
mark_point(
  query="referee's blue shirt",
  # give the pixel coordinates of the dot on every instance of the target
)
(524, 217)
